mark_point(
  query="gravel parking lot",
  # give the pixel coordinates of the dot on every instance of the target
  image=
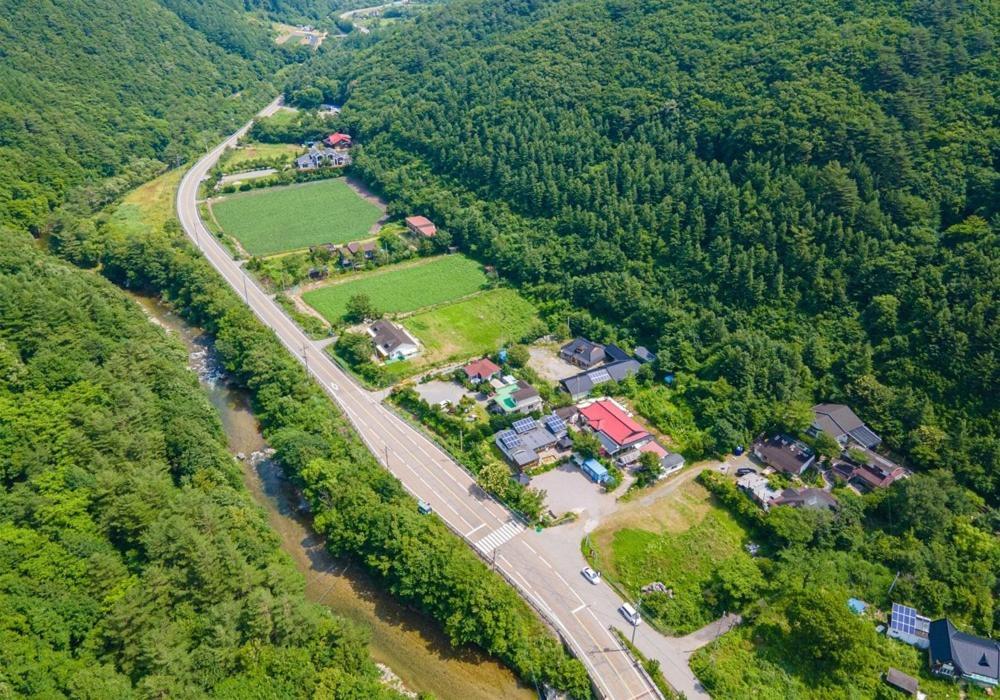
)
(546, 361)
(568, 489)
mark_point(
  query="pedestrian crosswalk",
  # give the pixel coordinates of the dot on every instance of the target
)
(502, 534)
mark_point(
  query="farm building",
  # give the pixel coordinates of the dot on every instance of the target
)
(421, 226)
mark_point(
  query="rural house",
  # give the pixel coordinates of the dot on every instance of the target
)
(318, 157)
(481, 370)
(582, 353)
(392, 342)
(613, 426)
(644, 355)
(517, 397)
(909, 626)
(580, 385)
(670, 462)
(758, 489)
(365, 248)
(840, 422)
(338, 140)
(421, 226)
(529, 441)
(958, 655)
(814, 498)
(874, 472)
(784, 454)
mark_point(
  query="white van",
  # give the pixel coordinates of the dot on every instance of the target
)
(630, 614)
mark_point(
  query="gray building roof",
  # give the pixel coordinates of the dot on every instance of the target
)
(970, 655)
(389, 337)
(583, 383)
(671, 460)
(583, 352)
(522, 446)
(643, 354)
(805, 498)
(840, 422)
(615, 353)
(784, 454)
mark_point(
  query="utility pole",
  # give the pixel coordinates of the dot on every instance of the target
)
(495, 558)
(305, 357)
(386, 456)
(246, 297)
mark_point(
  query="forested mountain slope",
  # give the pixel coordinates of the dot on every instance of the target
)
(100, 89)
(790, 201)
(132, 561)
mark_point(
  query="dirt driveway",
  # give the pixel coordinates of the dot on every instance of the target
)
(546, 361)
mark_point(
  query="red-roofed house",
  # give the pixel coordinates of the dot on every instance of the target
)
(613, 426)
(481, 370)
(421, 226)
(338, 140)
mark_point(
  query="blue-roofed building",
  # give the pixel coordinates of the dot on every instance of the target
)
(594, 470)
(857, 605)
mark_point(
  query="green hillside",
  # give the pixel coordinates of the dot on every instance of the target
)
(790, 202)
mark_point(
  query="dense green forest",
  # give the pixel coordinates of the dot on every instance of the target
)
(98, 96)
(790, 202)
(132, 561)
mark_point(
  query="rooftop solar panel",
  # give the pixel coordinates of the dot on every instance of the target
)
(510, 440)
(523, 425)
(555, 424)
(599, 376)
(904, 619)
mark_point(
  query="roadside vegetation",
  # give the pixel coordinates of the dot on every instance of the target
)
(275, 220)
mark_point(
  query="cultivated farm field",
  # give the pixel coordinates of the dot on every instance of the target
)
(279, 219)
(473, 326)
(403, 288)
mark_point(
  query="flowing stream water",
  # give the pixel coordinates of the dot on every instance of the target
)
(404, 641)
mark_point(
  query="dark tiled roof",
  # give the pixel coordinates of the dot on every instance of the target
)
(783, 453)
(615, 353)
(806, 498)
(969, 655)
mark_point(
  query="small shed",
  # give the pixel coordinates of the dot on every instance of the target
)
(857, 605)
(899, 680)
(593, 469)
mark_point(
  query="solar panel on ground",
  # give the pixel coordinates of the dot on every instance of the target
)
(523, 425)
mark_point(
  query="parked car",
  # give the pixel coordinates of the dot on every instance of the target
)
(630, 614)
(593, 576)
(424, 507)
(743, 471)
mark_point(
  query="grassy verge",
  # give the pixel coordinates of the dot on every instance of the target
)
(652, 666)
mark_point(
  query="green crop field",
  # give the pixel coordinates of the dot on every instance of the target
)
(402, 288)
(274, 220)
(474, 326)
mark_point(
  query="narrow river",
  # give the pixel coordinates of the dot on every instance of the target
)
(404, 640)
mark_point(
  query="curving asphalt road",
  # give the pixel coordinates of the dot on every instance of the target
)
(539, 565)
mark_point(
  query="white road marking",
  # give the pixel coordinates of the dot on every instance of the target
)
(475, 529)
(500, 536)
(578, 609)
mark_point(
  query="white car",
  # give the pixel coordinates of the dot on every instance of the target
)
(593, 576)
(630, 614)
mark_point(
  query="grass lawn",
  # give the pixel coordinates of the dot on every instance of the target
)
(474, 326)
(153, 202)
(277, 219)
(679, 539)
(235, 158)
(402, 288)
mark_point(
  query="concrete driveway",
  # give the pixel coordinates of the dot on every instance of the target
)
(569, 489)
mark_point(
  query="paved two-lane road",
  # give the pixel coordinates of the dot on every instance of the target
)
(538, 566)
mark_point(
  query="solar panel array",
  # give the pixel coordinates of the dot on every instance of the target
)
(555, 424)
(600, 376)
(524, 425)
(904, 619)
(510, 440)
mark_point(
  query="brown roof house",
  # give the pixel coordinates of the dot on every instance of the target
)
(421, 226)
(784, 454)
(392, 342)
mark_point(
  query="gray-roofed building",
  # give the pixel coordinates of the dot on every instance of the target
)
(532, 441)
(843, 425)
(613, 353)
(955, 654)
(784, 454)
(582, 353)
(580, 385)
(392, 342)
(806, 498)
(321, 156)
(900, 681)
(644, 355)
